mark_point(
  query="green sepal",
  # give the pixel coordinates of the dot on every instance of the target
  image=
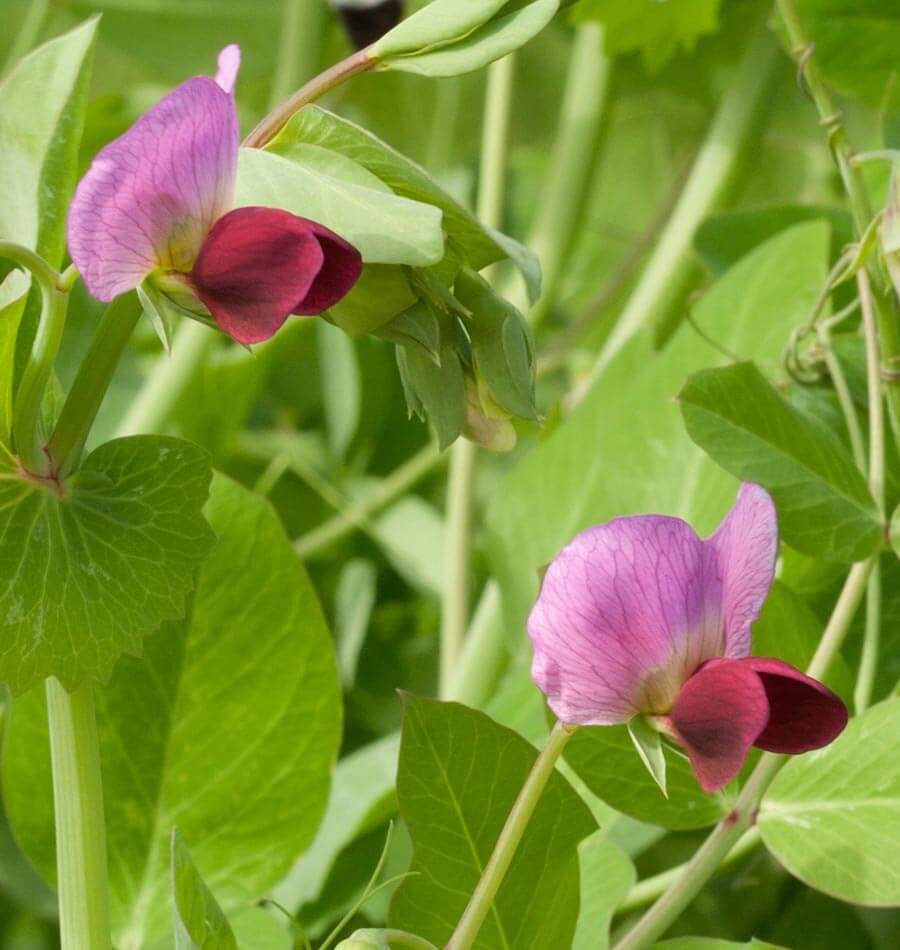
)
(648, 743)
(416, 328)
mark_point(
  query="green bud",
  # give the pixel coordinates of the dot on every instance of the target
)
(367, 939)
(486, 423)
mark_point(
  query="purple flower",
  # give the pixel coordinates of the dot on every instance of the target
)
(640, 616)
(156, 203)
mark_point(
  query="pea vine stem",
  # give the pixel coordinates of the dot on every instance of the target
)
(460, 483)
(80, 829)
(479, 905)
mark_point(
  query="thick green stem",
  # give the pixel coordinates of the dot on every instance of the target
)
(669, 267)
(80, 830)
(90, 386)
(455, 602)
(168, 380)
(26, 433)
(467, 929)
(571, 162)
(726, 834)
(854, 185)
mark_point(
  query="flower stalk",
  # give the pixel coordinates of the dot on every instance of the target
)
(479, 905)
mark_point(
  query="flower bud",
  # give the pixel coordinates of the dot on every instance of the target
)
(486, 423)
(367, 939)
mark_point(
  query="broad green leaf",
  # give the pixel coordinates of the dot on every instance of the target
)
(895, 531)
(481, 245)
(857, 44)
(607, 875)
(226, 728)
(362, 797)
(91, 567)
(458, 777)
(824, 505)
(437, 24)
(605, 759)
(648, 743)
(511, 27)
(42, 108)
(385, 228)
(657, 30)
(832, 817)
(712, 943)
(198, 920)
(623, 450)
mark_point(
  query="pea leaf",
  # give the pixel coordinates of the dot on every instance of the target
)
(199, 921)
(607, 875)
(831, 816)
(385, 228)
(91, 567)
(656, 30)
(226, 728)
(38, 163)
(458, 777)
(824, 506)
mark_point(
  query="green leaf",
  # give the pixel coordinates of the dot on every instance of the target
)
(385, 228)
(624, 450)
(440, 389)
(607, 875)
(895, 531)
(38, 166)
(857, 44)
(443, 49)
(824, 505)
(648, 743)
(416, 327)
(605, 759)
(481, 245)
(657, 30)
(341, 396)
(381, 293)
(199, 921)
(712, 943)
(226, 728)
(458, 777)
(353, 602)
(91, 567)
(831, 816)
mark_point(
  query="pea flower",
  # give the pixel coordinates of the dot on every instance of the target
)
(640, 616)
(156, 203)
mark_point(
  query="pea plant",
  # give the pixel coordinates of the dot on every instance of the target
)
(448, 474)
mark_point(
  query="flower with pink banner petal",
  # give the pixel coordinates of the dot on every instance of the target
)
(156, 203)
(640, 616)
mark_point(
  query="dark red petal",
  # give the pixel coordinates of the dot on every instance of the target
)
(718, 715)
(254, 266)
(803, 714)
(340, 271)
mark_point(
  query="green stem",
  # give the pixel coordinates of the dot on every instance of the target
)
(90, 386)
(489, 208)
(80, 830)
(168, 380)
(725, 835)
(669, 267)
(869, 660)
(467, 929)
(272, 124)
(483, 655)
(30, 395)
(845, 397)
(28, 34)
(648, 890)
(571, 163)
(298, 46)
(854, 185)
(356, 515)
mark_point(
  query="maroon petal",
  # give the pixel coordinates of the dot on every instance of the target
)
(340, 271)
(718, 715)
(803, 714)
(254, 266)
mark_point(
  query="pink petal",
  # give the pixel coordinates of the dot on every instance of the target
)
(150, 197)
(803, 714)
(229, 63)
(719, 714)
(253, 267)
(745, 549)
(340, 271)
(626, 613)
